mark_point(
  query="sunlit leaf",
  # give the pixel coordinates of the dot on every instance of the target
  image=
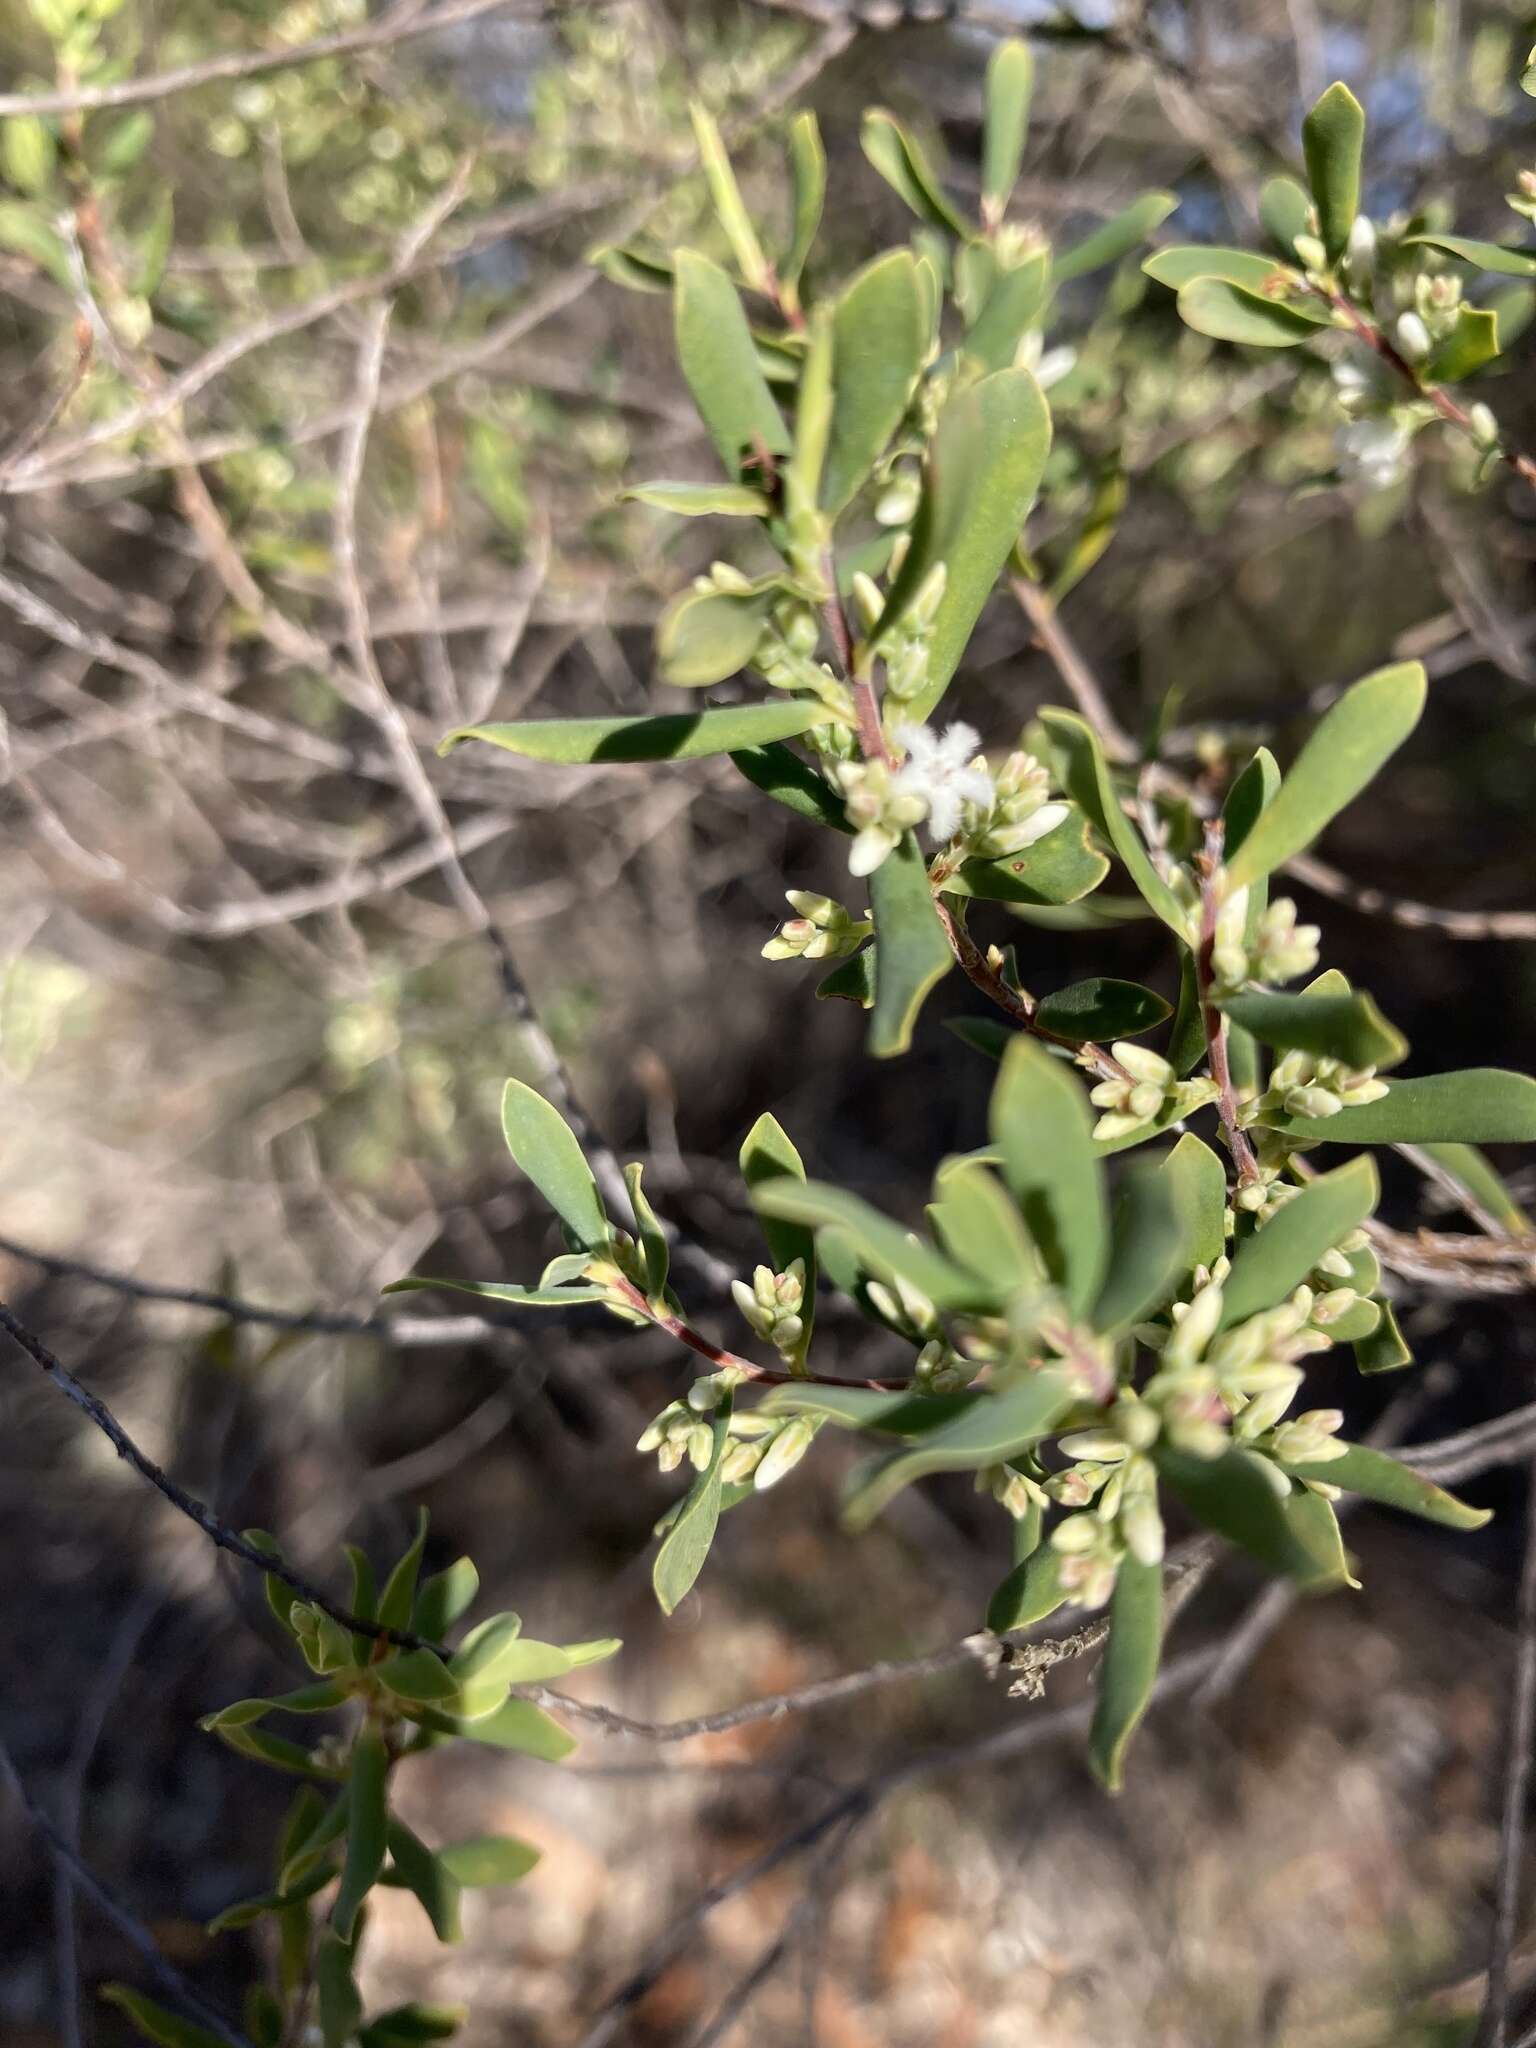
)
(906, 169)
(879, 338)
(1336, 1027)
(1119, 235)
(488, 1860)
(1148, 1240)
(1482, 255)
(1276, 1259)
(912, 953)
(1177, 267)
(720, 364)
(367, 1822)
(1230, 312)
(686, 1544)
(696, 501)
(1375, 1476)
(1476, 1106)
(1199, 1181)
(1333, 140)
(988, 1432)
(1060, 868)
(670, 736)
(545, 1148)
(1043, 1126)
(768, 1154)
(1470, 346)
(1085, 776)
(808, 178)
(1010, 84)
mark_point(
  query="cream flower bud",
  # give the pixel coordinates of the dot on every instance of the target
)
(1412, 338)
(785, 1452)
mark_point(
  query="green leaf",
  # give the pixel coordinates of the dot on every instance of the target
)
(1471, 1170)
(633, 269)
(246, 1912)
(989, 1035)
(399, 1595)
(1375, 1476)
(1284, 209)
(1010, 85)
(768, 1154)
(853, 980)
(984, 467)
(720, 364)
(1086, 779)
(1148, 1248)
(1060, 868)
(1337, 1027)
(1470, 346)
(879, 339)
(425, 1875)
(341, 2006)
(1483, 255)
(443, 1598)
(544, 1146)
(1317, 1525)
(912, 953)
(367, 1823)
(649, 1229)
(363, 1600)
(1012, 307)
(1351, 743)
(1117, 237)
(1101, 1008)
(488, 1859)
(813, 423)
(686, 1544)
(1333, 139)
(905, 168)
(412, 2026)
(1199, 1181)
(1177, 267)
(728, 204)
(1129, 1671)
(989, 1431)
(1267, 1266)
(851, 1407)
(1031, 1591)
(418, 1675)
(263, 1748)
(516, 1724)
(707, 636)
(808, 179)
(695, 501)
(1384, 1350)
(792, 782)
(123, 144)
(670, 736)
(979, 1226)
(1234, 1495)
(1230, 312)
(1476, 1106)
(503, 1290)
(27, 153)
(319, 1698)
(158, 2024)
(25, 231)
(1042, 1123)
(883, 1248)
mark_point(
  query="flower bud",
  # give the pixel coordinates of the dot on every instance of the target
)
(1413, 340)
(785, 1452)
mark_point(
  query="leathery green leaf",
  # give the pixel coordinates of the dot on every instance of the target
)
(1147, 1249)
(912, 953)
(1476, 1106)
(1085, 776)
(632, 268)
(1338, 1027)
(1483, 255)
(488, 1860)
(1042, 1124)
(516, 1725)
(443, 1598)
(1101, 1008)
(986, 1433)
(399, 1595)
(367, 1824)
(1060, 868)
(698, 501)
(1351, 743)
(726, 194)
(341, 2005)
(668, 736)
(1333, 140)
(653, 1237)
(544, 1146)
(905, 168)
(808, 179)
(1200, 1183)
(686, 1544)
(720, 364)
(852, 981)
(1118, 236)
(984, 467)
(1177, 267)
(502, 1290)
(977, 1223)
(1013, 306)
(768, 1154)
(1010, 85)
(1385, 1349)
(1129, 1671)
(1235, 1496)
(1470, 346)
(781, 774)
(1284, 209)
(707, 636)
(1267, 1266)
(1031, 1591)
(1375, 1476)
(879, 338)
(157, 2022)
(852, 1407)
(1230, 312)
(882, 1247)
(423, 1873)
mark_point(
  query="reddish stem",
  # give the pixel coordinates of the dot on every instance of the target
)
(719, 1358)
(1215, 1023)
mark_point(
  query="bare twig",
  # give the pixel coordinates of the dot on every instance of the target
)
(1493, 2022)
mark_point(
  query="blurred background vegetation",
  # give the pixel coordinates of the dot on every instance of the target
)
(329, 462)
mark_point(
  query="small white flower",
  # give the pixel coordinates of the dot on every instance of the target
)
(945, 771)
(1373, 449)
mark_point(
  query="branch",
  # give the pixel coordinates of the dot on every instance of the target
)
(1215, 1023)
(1493, 2023)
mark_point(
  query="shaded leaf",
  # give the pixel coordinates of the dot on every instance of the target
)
(631, 268)
(882, 1247)
(1012, 307)
(1470, 346)
(1337, 1027)
(1177, 267)
(695, 501)
(1484, 255)
(1471, 1170)
(1375, 1476)
(808, 179)
(906, 169)
(1235, 1496)
(1284, 208)
(1199, 1181)
(1384, 1350)
(443, 1598)
(720, 364)
(516, 1724)
(341, 2005)
(1333, 139)
(1101, 1008)
(1129, 1670)
(879, 339)
(852, 981)
(544, 1147)
(1042, 1124)
(989, 1431)
(768, 1154)
(424, 1874)
(978, 1224)
(417, 1675)
(1086, 779)
(781, 774)
(367, 1824)
(1031, 1591)
(707, 636)
(1148, 1247)
(911, 951)
(156, 2022)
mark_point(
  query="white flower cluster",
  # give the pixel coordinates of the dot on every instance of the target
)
(1280, 950)
(821, 929)
(944, 782)
(772, 1305)
(1306, 1084)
